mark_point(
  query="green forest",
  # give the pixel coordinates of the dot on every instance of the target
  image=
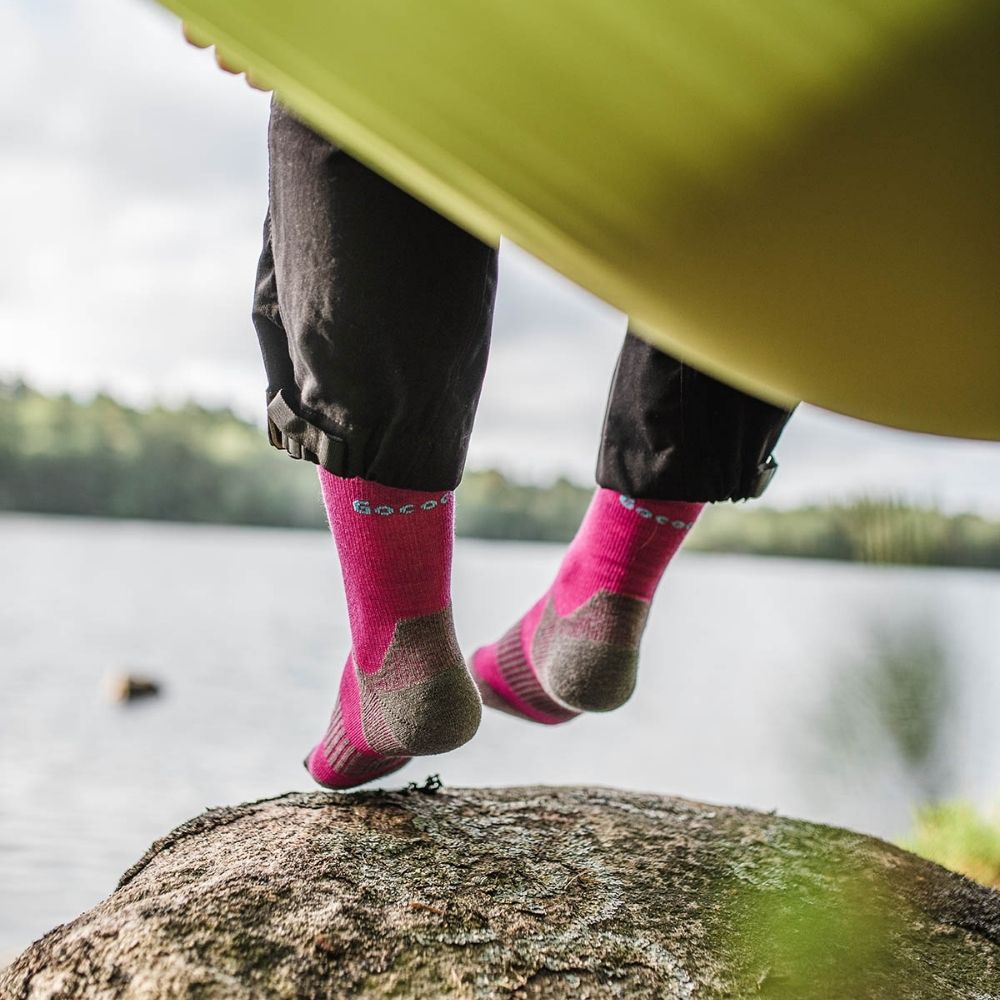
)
(100, 458)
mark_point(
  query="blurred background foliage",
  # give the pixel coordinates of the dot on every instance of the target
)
(898, 699)
(867, 530)
(960, 837)
(894, 701)
(98, 457)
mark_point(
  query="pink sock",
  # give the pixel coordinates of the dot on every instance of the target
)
(577, 648)
(405, 689)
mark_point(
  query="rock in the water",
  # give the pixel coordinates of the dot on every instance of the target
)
(132, 687)
(521, 893)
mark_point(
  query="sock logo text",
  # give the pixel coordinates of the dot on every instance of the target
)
(385, 510)
(629, 504)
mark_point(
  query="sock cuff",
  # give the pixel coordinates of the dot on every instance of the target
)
(395, 549)
(356, 497)
(622, 546)
(677, 515)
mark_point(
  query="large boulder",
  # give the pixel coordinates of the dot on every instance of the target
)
(520, 893)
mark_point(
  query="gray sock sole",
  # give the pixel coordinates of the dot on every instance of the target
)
(588, 660)
(411, 710)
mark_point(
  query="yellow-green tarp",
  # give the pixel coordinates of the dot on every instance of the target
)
(799, 196)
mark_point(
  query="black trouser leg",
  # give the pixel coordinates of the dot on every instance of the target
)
(373, 314)
(674, 433)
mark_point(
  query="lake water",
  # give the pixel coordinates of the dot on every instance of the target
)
(760, 685)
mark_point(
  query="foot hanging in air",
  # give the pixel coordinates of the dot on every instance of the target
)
(577, 649)
(405, 690)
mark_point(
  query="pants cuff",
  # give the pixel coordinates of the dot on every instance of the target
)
(290, 432)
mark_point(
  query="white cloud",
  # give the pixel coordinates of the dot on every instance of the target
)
(132, 189)
(133, 180)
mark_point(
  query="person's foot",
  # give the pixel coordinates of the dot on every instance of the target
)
(405, 690)
(577, 649)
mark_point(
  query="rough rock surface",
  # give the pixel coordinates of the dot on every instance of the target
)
(521, 893)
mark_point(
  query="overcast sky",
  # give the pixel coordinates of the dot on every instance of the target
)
(132, 190)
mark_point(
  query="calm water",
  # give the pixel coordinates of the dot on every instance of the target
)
(758, 678)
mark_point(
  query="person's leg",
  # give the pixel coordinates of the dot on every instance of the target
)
(674, 439)
(373, 314)
(672, 432)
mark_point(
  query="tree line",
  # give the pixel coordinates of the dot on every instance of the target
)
(101, 458)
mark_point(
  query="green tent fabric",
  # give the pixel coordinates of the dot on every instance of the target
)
(799, 196)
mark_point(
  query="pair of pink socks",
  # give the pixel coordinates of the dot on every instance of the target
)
(406, 690)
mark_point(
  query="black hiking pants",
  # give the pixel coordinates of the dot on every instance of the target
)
(374, 314)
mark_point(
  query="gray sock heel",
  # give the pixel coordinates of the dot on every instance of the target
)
(436, 715)
(588, 661)
(410, 711)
